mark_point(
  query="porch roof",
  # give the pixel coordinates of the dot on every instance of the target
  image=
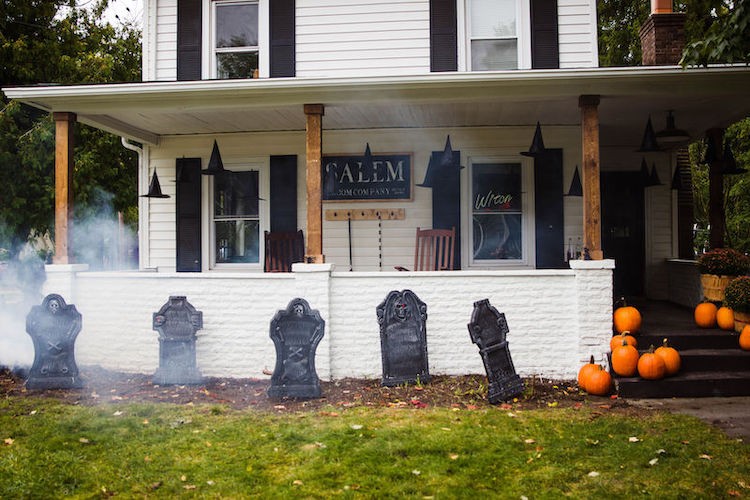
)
(701, 98)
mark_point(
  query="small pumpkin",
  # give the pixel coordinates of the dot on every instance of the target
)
(725, 318)
(599, 382)
(627, 318)
(585, 371)
(705, 314)
(625, 360)
(651, 366)
(745, 338)
(671, 358)
(617, 340)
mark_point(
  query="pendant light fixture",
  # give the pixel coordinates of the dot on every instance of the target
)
(154, 188)
(648, 143)
(672, 135)
(537, 143)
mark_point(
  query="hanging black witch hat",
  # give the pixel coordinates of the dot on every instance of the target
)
(537, 143)
(429, 176)
(367, 161)
(576, 189)
(653, 179)
(215, 165)
(645, 175)
(154, 188)
(676, 179)
(648, 143)
(729, 164)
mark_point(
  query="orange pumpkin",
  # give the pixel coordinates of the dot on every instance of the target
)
(599, 382)
(625, 360)
(625, 336)
(671, 358)
(745, 338)
(705, 315)
(725, 318)
(651, 366)
(627, 318)
(585, 371)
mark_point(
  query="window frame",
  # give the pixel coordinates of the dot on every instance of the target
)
(210, 69)
(528, 250)
(523, 36)
(262, 166)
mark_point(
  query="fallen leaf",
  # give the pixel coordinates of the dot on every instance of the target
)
(146, 458)
(552, 404)
(210, 483)
(416, 472)
(356, 427)
(733, 493)
(593, 473)
(653, 461)
(8, 441)
(183, 478)
(189, 487)
(506, 406)
(83, 440)
(633, 439)
(445, 429)
(471, 407)
(145, 421)
(511, 415)
(32, 412)
(156, 485)
(453, 456)
(117, 413)
(529, 441)
(742, 484)
(297, 482)
(705, 457)
(661, 451)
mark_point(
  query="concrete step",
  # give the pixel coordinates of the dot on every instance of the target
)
(687, 384)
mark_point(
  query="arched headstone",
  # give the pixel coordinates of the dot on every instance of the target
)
(177, 323)
(403, 339)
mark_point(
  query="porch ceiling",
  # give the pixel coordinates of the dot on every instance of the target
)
(701, 99)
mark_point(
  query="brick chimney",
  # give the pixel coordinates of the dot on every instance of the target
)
(662, 35)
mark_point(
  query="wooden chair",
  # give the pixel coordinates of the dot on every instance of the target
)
(283, 249)
(434, 250)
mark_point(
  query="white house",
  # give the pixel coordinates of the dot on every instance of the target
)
(292, 92)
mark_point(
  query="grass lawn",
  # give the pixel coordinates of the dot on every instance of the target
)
(49, 449)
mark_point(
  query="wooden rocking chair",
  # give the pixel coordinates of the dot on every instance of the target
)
(283, 249)
(434, 250)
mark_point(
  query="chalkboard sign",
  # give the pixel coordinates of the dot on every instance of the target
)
(347, 178)
(496, 210)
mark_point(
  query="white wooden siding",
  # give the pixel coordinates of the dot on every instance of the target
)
(577, 34)
(340, 38)
(166, 41)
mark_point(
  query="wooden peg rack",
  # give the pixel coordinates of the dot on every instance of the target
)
(366, 214)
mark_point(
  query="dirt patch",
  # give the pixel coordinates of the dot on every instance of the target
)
(469, 391)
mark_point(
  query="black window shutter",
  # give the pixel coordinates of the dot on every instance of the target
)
(282, 35)
(545, 48)
(446, 200)
(188, 207)
(443, 36)
(548, 203)
(283, 202)
(189, 39)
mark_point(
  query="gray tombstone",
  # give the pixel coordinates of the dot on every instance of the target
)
(296, 332)
(53, 326)
(403, 339)
(177, 323)
(488, 329)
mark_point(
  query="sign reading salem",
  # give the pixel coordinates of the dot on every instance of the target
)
(346, 178)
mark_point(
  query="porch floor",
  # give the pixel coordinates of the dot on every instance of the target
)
(712, 362)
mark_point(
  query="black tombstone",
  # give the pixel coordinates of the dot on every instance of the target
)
(177, 322)
(488, 329)
(403, 339)
(296, 332)
(53, 326)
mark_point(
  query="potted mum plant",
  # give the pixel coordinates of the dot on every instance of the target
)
(737, 297)
(718, 267)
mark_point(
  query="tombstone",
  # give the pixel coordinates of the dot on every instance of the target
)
(488, 329)
(53, 327)
(296, 332)
(177, 322)
(403, 339)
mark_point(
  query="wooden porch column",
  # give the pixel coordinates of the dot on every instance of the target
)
(592, 210)
(314, 154)
(64, 127)
(716, 190)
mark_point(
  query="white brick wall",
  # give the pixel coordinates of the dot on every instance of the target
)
(557, 318)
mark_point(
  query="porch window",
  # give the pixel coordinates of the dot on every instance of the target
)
(236, 39)
(493, 34)
(236, 218)
(499, 232)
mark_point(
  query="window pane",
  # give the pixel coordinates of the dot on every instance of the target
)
(493, 54)
(497, 236)
(493, 18)
(237, 241)
(236, 64)
(237, 25)
(236, 194)
(496, 190)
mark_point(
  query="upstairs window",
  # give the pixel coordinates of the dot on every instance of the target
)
(493, 34)
(236, 39)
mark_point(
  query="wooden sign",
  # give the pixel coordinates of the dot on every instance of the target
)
(347, 178)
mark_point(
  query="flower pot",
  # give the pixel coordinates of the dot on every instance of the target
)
(713, 286)
(740, 321)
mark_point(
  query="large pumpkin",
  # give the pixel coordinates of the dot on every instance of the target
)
(671, 358)
(725, 318)
(599, 382)
(585, 371)
(705, 315)
(745, 338)
(627, 318)
(625, 360)
(651, 366)
(617, 340)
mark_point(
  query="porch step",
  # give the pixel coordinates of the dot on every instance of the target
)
(715, 360)
(691, 339)
(687, 385)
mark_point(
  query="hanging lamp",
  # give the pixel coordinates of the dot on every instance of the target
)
(671, 134)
